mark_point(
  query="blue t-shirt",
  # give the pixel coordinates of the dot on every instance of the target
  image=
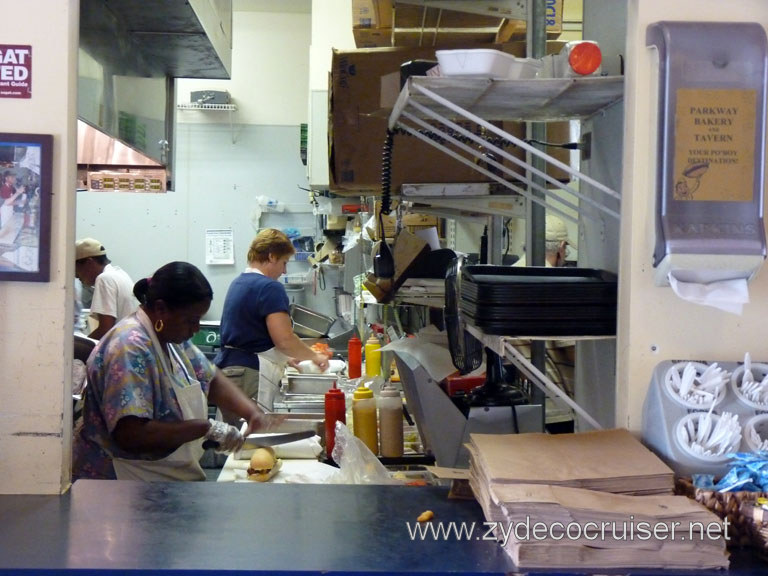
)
(250, 299)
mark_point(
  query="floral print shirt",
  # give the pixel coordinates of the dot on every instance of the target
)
(126, 378)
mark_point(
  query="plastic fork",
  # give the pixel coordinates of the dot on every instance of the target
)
(748, 376)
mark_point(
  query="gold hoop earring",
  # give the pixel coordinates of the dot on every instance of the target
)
(159, 325)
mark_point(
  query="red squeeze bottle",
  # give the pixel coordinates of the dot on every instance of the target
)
(335, 410)
(355, 357)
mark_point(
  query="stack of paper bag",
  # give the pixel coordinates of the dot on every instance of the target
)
(596, 499)
(607, 460)
(544, 526)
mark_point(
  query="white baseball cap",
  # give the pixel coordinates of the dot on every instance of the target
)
(556, 231)
(88, 248)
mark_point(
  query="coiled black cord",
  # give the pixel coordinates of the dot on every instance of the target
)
(386, 174)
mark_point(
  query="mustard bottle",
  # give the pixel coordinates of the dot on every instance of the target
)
(372, 357)
(364, 423)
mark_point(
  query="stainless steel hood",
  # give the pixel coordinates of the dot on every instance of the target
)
(131, 51)
(155, 39)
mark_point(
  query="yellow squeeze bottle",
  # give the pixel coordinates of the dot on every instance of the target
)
(372, 357)
(364, 422)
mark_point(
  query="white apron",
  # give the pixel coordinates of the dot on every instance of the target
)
(271, 369)
(272, 364)
(6, 213)
(184, 462)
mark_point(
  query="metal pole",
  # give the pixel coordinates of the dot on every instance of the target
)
(536, 44)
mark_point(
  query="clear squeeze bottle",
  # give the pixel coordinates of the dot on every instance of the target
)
(391, 422)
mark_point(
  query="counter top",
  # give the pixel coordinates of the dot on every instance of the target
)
(248, 528)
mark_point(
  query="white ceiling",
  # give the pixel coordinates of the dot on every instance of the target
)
(296, 6)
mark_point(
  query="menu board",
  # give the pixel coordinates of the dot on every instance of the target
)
(715, 143)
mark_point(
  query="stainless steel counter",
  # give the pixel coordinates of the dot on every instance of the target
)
(250, 528)
(213, 528)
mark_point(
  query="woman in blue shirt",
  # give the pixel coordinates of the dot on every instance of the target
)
(256, 317)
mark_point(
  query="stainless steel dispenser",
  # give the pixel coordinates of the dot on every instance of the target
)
(711, 150)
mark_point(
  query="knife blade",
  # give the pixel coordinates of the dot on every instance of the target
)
(256, 440)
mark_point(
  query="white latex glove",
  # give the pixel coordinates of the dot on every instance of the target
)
(228, 438)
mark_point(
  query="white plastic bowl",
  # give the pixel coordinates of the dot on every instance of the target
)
(485, 63)
(757, 425)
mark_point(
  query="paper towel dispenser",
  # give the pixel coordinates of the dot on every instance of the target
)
(711, 150)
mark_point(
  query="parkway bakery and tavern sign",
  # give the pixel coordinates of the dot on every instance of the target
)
(15, 71)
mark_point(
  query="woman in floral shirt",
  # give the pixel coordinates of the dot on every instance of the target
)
(145, 410)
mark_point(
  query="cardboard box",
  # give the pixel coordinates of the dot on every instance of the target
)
(152, 181)
(364, 86)
(371, 14)
(411, 221)
(438, 37)
(381, 23)
(358, 126)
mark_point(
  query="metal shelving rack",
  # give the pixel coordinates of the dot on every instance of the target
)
(427, 109)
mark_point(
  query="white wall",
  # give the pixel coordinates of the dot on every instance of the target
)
(270, 71)
(36, 339)
(654, 324)
(331, 28)
(220, 168)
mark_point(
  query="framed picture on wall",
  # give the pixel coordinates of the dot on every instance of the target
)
(25, 206)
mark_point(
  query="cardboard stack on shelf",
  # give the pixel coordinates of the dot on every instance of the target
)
(365, 84)
(364, 87)
(377, 23)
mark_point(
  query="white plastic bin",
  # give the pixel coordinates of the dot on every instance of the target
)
(485, 63)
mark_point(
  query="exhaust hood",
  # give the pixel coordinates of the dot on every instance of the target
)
(97, 149)
(107, 164)
(176, 38)
(130, 53)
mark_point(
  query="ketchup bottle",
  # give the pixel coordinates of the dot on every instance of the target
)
(355, 357)
(335, 410)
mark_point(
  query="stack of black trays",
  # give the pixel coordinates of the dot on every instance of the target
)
(538, 301)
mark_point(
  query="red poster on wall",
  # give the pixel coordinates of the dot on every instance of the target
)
(15, 71)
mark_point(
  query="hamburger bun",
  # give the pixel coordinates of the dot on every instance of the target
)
(263, 464)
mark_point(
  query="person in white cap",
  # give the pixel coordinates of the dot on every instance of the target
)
(113, 297)
(556, 242)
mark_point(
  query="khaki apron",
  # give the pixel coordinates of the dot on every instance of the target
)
(184, 462)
